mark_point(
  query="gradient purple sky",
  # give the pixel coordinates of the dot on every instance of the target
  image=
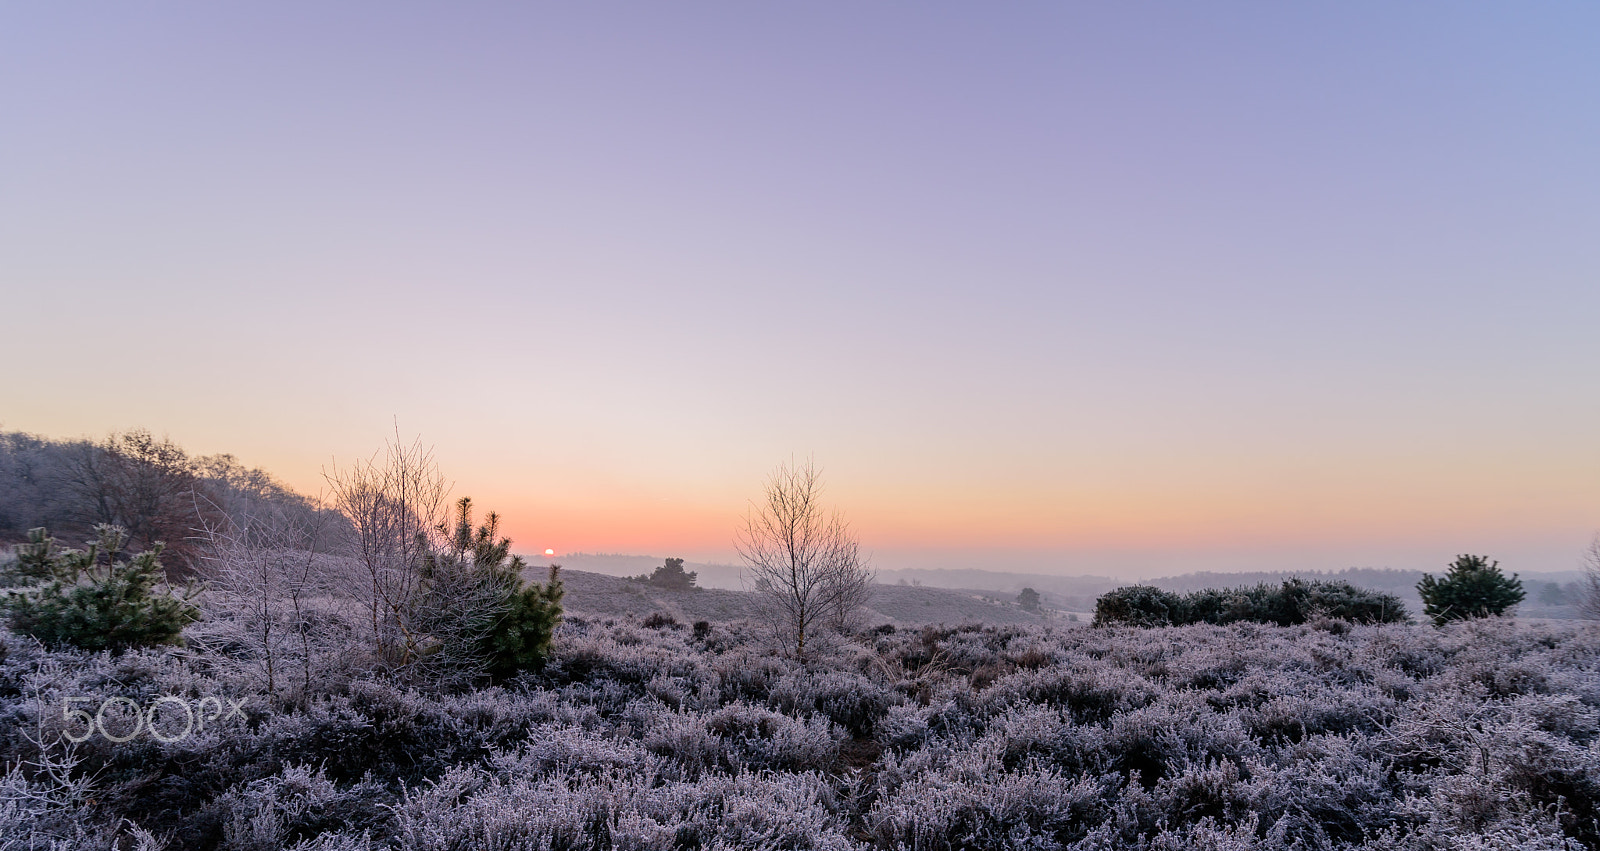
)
(1100, 288)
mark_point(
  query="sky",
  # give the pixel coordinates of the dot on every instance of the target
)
(1123, 289)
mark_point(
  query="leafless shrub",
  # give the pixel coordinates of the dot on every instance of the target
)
(394, 503)
(1589, 604)
(272, 594)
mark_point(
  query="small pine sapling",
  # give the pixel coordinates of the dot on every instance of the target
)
(503, 624)
(1474, 588)
(94, 601)
(520, 639)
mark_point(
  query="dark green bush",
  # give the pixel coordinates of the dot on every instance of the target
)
(660, 620)
(670, 576)
(1294, 602)
(1344, 601)
(92, 599)
(520, 639)
(1474, 588)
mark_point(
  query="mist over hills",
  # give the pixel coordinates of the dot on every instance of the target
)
(591, 595)
(1063, 594)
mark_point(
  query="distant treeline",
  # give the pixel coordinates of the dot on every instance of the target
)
(1292, 602)
(151, 487)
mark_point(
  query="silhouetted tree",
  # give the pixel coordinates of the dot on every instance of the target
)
(672, 576)
(1029, 600)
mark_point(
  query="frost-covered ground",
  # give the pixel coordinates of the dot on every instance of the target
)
(1479, 735)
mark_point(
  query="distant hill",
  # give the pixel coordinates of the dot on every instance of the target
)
(1072, 593)
(591, 594)
(725, 576)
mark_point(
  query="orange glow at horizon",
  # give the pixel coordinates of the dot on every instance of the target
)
(1141, 519)
(1361, 497)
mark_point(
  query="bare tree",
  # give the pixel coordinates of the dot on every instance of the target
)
(394, 503)
(253, 497)
(1589, 600)
(803, 560)
(144, 485)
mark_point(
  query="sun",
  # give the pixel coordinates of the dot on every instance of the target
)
(549, 552)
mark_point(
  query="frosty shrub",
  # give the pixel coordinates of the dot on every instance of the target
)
(762, 739)
(295, 805)
(468, 809)
(852, 701)
(272, 614)
(959, 809)
(1138, 605)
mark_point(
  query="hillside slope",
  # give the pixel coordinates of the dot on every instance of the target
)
(598, 595)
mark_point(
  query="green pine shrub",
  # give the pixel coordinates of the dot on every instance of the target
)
(93, 600)
(520, 639)
(1474, 588)
(508, 622)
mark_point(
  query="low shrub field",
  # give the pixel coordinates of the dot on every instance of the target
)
(1484, 734)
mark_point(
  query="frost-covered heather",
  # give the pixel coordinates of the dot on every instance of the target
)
(1480, 735)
